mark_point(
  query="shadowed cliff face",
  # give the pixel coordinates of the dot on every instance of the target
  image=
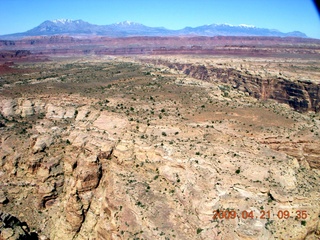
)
(12, 228)
(301, 95)
(14, 54)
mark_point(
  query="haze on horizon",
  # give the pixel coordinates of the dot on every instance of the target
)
(285, 16)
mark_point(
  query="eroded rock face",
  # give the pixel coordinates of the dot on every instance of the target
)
(8, 107)
(21, 107)
(301, 95)
(41, 143)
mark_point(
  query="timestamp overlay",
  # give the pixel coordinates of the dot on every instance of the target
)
(262, 214)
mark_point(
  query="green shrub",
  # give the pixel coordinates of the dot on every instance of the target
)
(199, 230)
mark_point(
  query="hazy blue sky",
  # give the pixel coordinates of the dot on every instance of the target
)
(284, 15)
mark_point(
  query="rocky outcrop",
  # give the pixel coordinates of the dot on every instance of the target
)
(21, 107)
(41, 143)
(307, 152)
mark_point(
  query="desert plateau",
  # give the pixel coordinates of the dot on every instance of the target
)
(160, 138)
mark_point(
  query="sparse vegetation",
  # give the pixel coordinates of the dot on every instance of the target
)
(164, 145)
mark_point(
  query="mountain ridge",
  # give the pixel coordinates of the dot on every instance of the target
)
(128, 29)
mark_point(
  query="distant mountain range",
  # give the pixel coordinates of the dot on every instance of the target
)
(127, 29)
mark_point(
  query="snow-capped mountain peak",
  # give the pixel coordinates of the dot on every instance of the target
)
(127, 23)
(128, 28)
(62, 20)
(247, 26)
(231, 25)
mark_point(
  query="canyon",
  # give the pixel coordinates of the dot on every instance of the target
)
(148, 138)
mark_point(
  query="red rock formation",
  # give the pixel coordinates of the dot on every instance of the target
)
(165, 45)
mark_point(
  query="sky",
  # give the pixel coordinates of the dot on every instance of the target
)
(283, 15)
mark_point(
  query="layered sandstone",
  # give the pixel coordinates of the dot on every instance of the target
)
(302, 95)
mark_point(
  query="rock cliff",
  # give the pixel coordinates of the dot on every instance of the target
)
(301, 95)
